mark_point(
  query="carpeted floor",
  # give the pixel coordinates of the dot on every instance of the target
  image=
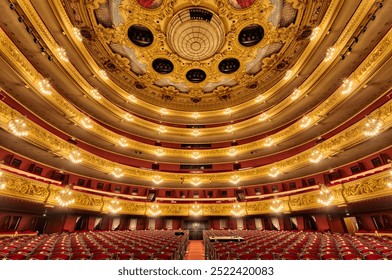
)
(195, 250)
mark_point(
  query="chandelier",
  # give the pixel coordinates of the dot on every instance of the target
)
(305, 122)
(195, 132)
(315, 32)
(114, 206)
(268, 142)
(117, 172)
(128, 117)
(389, 184)
(164, 111)
(3, 184)
(260, 98)
(157, 179)
(373, 126)
(195, 181)
(78, 34)
(103, 74)
(347, 86)
(161, 129)
(276, 205)
(288, 75)
(18, 127)
(263, 117)
(325, 197)
(86, 122)
(75, 156)
(159, 152)
(154, 210)
(195, 115)
(330, 53)
(296, 93)
(95, 93)
(45, 87)
(65, 197)
(196, 155)
(316, 156)
(230, 128)
(232, 152)
(234, 179)
(237, 210)
(196, 210)
(123, 142)
(274, 171)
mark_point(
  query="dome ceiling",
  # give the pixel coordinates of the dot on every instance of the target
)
(211, 92)
(218, 53)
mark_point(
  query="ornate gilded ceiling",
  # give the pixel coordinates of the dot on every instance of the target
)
(120, 78)
(196, 55)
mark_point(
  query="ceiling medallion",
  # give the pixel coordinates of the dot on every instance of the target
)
(195, 34)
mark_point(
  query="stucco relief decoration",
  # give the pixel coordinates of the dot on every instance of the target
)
(87, 200)
(305, 200)
(134, 208)
(364, 188)
(257, 207)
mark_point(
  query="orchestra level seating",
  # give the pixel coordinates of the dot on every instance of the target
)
(99, 245)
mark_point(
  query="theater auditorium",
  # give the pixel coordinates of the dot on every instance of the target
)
(195, 130)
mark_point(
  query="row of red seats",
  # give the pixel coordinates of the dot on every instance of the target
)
(105, 245)
(289, 245)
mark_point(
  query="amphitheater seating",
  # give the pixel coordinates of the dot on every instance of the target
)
(165, 245)
(101, 245)
(293, 245)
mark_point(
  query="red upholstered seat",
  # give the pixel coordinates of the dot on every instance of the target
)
(39, 256)
(162, 256)
(59, 256)
(289, 256)
(81, 256)
(18, 256)
(248, 256)
(102, 256)
(142, 256)
(114, 250)
(97, 251)
(150, 251)
(372, 256)
(350, 256)
(6, 251)
(125, 256)
(266, 256)
(309, 256)
(132, 250)
(330, 256)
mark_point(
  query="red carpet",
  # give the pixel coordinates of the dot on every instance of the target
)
(195, 250)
